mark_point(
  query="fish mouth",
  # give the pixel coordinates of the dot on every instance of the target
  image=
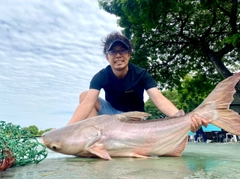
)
(44, 142)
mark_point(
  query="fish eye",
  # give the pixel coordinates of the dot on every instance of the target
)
(54, 148)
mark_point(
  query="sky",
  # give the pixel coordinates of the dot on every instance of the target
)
(49, 51)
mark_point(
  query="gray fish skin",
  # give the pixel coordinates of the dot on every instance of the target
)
(126, 135)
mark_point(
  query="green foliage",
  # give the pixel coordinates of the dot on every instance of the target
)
(234, 39)
(18, 144)
(193, 90)
(154, 111)
(34, 131)
(172, 38)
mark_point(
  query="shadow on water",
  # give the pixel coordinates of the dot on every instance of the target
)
(199, 160)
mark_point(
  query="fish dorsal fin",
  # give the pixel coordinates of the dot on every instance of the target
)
(179, 113)
(132, 116)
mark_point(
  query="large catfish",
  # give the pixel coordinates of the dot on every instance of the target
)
(125, 135)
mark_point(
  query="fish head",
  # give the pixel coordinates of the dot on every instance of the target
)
(51, 141)
(71, 140)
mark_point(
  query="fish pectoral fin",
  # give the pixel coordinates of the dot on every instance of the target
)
(132, 116)
(95, 135)
(100, 151)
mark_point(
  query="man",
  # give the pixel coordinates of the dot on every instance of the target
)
(124, 84)
(200, 133)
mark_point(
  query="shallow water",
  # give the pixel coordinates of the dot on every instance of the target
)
(199, 160)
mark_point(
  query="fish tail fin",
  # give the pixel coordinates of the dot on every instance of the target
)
(215, 108)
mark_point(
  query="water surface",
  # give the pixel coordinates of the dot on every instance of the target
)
(199, 160)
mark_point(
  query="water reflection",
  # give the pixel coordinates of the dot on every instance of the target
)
(205, 164)
(198, 161)
(132, 167)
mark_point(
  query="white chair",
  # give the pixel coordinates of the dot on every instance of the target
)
(191, 138)
(233, 139)
(199, 139)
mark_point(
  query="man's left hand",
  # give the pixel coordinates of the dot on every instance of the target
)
(197, 122)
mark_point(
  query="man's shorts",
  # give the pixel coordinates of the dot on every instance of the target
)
(106, 108)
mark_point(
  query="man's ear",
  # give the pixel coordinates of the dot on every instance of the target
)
(107, 57)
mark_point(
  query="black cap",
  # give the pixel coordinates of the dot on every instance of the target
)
(115, 41)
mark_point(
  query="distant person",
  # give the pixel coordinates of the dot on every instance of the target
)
(199, 133)
(124, 84)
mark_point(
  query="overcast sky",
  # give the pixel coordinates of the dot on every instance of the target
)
(49, 51)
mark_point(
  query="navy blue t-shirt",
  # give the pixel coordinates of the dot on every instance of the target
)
(124, 94)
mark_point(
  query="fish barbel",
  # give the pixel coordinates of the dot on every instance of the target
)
(126, 135)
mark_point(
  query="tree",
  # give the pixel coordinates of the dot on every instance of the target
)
(193, 90)
(173, 38)
(33, 130)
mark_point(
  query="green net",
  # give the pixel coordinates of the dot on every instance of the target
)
(18, 144)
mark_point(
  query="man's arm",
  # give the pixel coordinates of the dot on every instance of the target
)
(85, 107)
(168, 108)
(161, 102)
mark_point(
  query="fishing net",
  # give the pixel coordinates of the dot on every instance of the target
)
(18, 147)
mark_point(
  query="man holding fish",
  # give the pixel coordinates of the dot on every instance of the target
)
(124, 84)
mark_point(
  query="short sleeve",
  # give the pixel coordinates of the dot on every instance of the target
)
(97, 81)
(148, 81)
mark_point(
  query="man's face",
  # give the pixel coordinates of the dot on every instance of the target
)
(118, 57)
